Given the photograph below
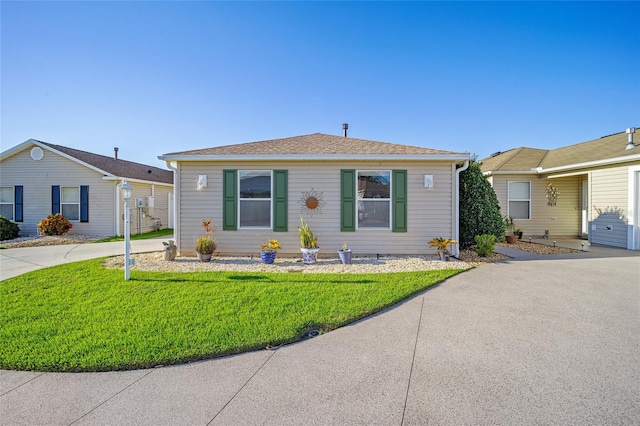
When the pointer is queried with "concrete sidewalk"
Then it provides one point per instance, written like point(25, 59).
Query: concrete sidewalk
point(17, 261)
point(584, 250)
point(554, 341)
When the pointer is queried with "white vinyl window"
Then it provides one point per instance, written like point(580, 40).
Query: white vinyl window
point(70, 202)
point(7, 202)
point(519, 201)
point(254, 202)
point(374, 199)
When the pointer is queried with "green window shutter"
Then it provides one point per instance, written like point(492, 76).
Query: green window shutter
point(399, 179)
point(280, 216)
point(229, 200)
point(347, 200)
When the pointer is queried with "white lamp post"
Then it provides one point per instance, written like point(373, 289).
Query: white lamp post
point(125, 190)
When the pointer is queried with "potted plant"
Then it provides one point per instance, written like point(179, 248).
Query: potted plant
point(308, 243)
point(268, 251)
point(206, 244)
point(442, 245)
point(512, 236)
point(518, 232)
point(345, 254)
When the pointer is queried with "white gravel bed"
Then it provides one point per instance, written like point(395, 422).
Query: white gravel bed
point(47, 240)
point(154, 262)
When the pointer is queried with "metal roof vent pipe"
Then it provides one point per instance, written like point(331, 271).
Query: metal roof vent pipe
point(345, 126)
point(115, 152)
point(630, 132)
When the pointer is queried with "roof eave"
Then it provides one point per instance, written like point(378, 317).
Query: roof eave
point(150, 182)
point(510, 172)
point(324, 157)
point(595, 163)
point(18, 148)
point(22, 146)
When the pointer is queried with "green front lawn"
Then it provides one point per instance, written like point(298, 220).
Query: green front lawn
point(83, 317)
point(145, 236)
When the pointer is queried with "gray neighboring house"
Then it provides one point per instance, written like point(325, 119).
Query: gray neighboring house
point(381, 198)
point(39, 178)
point(589, 190)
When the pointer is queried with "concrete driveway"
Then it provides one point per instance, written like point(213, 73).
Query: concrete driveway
point(18, 261)
point(554, 341)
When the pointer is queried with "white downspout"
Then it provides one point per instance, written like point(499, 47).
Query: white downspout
point(117, 201)
point(456, 225)
point(176, 192)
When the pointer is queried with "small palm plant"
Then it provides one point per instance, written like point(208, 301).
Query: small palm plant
point(442, 244)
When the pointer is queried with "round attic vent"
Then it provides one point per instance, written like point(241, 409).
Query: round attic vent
point(37, 153)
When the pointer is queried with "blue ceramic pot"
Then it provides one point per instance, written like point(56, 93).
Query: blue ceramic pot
point(268, 257)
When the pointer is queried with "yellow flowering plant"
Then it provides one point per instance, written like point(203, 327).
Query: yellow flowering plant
point(270, 246)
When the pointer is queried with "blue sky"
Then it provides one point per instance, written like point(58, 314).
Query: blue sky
point(159, 77)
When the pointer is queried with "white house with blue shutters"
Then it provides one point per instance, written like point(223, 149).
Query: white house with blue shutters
point(381, 198)
point(39, 178)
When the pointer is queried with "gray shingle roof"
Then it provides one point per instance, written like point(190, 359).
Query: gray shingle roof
point(314, 144)
point(525, 159)
point(119, 168)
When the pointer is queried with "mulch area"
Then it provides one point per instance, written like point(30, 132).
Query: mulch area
point(470, 256)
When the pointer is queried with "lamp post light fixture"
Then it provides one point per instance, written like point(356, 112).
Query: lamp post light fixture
point(126, 190)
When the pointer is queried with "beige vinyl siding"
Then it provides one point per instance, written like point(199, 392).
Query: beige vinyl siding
point(608, 207)
point(37, 177)
point(144, 219)
point(561, 220)
point(430, 212)
point(161, 209)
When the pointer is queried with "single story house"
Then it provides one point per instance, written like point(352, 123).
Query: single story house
point(589, 190)
point(39, 178)
point(380, 198)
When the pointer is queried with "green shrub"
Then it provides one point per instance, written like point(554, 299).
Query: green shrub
point(206, 244)
point(485, 244)
point(54, 224)
point(8, 230)
point(479, 207)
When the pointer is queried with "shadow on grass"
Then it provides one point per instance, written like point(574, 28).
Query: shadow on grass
point(248, 278)
point(251, 279)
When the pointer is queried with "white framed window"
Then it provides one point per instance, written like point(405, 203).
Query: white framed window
point(70, 203)
point(519, 200)
point(374, 199)
point(255, 198)
point(7, 202)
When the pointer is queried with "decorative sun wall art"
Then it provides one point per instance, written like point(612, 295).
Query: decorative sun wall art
point(552, 195)
point(311, 201)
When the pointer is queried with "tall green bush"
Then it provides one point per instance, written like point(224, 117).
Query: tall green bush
point(479, 207)
point(8, 230)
